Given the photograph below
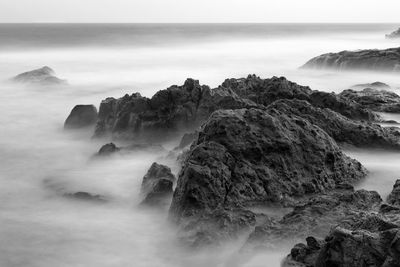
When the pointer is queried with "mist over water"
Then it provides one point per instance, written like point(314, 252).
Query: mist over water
point(39, 161)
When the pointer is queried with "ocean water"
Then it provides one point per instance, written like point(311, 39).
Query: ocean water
point(39, 227)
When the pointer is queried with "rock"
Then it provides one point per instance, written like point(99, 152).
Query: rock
point(394, 196)
point(340, 128)
point(374, 85)
point(374, 99)
point(85, 196)
point(187, 139)
point(108, 149)
point(316, 217)
point(373, 242)
point(394, 35)
point(249, 157)
point(177, 108)
point(157, 185)
point(81, 116)
point(44, 76)
point(373, 59)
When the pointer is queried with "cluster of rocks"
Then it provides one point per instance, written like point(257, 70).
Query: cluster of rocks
point(263, 142)
point(370, 59)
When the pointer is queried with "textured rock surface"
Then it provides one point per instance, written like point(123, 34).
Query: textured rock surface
point(248, 157)
point(81, 116)
point(157, 185)
point(342, 129)
point(374, 99)
point(394, 196)
point(177, 108)
point(394, 35)
point(383, 60)
point(44, 76)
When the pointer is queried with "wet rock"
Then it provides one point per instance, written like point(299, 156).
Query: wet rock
point(249, 157)
point(374, 99)
point(176, 108)
point(157, 185)
point(342, 129)
point(111, 148)
point(394, 196)
point(373, 59)
point(81, 116)
point(394, 35)
point(43, 76)
point(108, 149)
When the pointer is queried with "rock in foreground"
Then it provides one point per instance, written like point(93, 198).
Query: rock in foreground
point(157, 185)
point(381, 60)
point(249, 157)
point(43, 76)
point(81, 116)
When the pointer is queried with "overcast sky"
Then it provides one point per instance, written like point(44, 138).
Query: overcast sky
point(199, 10)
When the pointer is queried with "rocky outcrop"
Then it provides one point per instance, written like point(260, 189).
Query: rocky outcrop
point(157, 185)
point(381, 60)
point(176, 108)
point(372, 241)
point(394, 35)
point(374, 99)
point(43, 76)
point(108, 149)
point(374, 85)
point(81, 116)
point(249, 157)
point(340, 128)
point(394, 196)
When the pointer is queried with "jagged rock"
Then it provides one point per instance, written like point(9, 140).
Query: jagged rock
point(377, 100)
point(44, 76)
point(342, 129)
point(394, 196)
point(251, 157)
point(157, 185)
point(373, 241)
point(81, 116)
point(374, 59)
point(316, 216)
point(393, 35)
point(176, 108)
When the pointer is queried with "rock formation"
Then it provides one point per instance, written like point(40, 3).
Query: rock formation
point(43, 76)
point(157, 185)
point(381, 60)
point(394, 196)
point(249, 157)
point(393, 35)
point(110, 149)
point(81, 116)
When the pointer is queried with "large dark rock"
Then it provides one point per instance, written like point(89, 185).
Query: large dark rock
point(374, 59)
point(157, 185)
point(374, 99)
point(81, 116)
point(394, 196)
point(176, 108)
point(44, 76)
point(342, 129)
point(249, 157)
point(394, 35)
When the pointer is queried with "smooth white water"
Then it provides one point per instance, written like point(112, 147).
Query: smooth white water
point(38, 227)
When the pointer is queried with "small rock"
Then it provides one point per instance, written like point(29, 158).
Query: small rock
point(44, 76)
point(81, 116)
point(394, 196)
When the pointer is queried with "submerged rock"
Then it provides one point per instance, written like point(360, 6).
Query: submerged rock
point(340, 128)
point(374, 85)
point(373, 59)
point(393, 35)
point(44, 76)
point(81, 116)
point(108, 149)
point(374, 99)
point(157, 185)
point(249, 157)
point(85, 196)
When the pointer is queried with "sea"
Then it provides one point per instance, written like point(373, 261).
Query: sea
point(39, 161)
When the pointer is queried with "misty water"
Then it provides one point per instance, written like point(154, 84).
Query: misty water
point(39, 161)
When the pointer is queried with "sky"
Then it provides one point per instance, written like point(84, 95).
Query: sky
point(200, 11)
